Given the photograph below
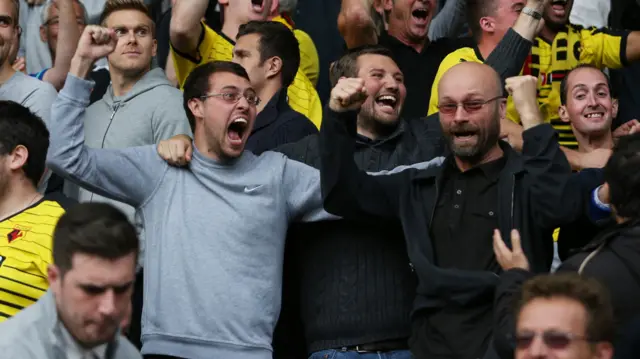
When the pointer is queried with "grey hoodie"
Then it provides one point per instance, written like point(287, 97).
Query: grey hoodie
point(152, 111)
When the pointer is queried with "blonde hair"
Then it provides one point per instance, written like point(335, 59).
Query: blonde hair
point(112, 6)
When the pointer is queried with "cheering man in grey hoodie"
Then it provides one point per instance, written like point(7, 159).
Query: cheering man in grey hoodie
point(140, 107)
point(215, 230)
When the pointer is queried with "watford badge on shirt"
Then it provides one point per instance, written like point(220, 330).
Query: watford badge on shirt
point(15, 234)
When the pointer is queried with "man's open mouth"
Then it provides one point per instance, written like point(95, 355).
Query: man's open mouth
point(257, 4)
point(420, 14)
point(387, 102)
point(237, 129)
point(559, 7)
point(595, 115)
point(464, 135)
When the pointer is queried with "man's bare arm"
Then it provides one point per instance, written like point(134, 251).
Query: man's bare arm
point(185, 29)
point(356, 23)
point(633, 46)
point(68, 36)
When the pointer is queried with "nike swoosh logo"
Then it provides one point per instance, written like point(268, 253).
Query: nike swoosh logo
point(251, 189)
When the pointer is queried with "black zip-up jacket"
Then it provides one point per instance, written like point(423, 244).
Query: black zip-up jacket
point(353, 279)
point(535, 195)
point(616, 266)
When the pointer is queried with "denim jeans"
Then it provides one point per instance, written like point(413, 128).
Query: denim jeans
point(339, 354)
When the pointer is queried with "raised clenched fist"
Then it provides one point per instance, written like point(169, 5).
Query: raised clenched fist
point(348, 94)
point(96, 42)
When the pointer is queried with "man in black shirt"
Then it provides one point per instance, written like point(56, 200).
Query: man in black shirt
point(418, 55)
point(483, 185)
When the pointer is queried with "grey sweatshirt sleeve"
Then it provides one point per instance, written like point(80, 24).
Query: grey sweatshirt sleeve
point(449, 20)
point(510, 54)
point(301, 186)
point(127, 175)
point(169, 118)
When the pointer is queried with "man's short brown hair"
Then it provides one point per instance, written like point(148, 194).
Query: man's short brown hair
point(112, 6)
point(586, 291)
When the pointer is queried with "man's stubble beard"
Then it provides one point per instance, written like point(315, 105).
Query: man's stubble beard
point(486, 140)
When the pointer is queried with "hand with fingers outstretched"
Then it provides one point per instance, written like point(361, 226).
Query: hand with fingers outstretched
point(513, 258)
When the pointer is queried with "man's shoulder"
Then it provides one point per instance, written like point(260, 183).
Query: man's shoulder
point(25, 85)
point(19, 333)
point(126, 350)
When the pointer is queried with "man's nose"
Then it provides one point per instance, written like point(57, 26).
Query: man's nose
point(107, 303)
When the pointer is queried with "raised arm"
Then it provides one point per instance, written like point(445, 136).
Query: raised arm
point(356, 23)
point(347, 191)
point(68, 37)
point(126, 175)
point(449, 20)
point(556, 196)
point(185, 29)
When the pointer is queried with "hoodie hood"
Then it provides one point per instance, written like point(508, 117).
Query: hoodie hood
point(149, 81)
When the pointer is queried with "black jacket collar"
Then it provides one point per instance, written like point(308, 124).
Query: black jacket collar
point(513, 166)
point(270, 113)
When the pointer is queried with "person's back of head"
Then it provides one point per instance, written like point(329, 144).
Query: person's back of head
point(24, 141)
point(267, 49)
point(622, 176)
point(95, 249)
point(564, 315)
point(136, 32)
point(492, 17)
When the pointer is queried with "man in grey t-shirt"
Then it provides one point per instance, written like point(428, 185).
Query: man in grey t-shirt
point(16, 86)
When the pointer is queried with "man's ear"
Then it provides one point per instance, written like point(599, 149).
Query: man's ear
point(564, 114)
point(273, 66)
point(614, 107)
point(55, 278)
point(487, 24)
point(18, 157)
point(43, 34)
point(196, 107)
point(604, 350)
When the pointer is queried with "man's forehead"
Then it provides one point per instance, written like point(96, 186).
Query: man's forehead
point(375, 61)
point(587, 77)
point(228, 80)
point(128, 17)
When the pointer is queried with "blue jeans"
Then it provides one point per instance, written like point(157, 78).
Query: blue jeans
point(339, 354)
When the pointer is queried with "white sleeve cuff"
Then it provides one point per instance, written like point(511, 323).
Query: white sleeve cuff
point(598, 202)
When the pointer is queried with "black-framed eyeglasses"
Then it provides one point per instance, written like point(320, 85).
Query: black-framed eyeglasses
point(552, 338)
point(449, 108)
point(233, 97)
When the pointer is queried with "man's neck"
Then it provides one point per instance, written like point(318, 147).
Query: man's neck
point(6, 71)
point(493, 154)
point(486, 45)
point(368, 128)
point(547, 34)
point(21, 195)
point(122, 84)
point(230, 29)
point(416, 45)
point(588, 143)
point(266, 94)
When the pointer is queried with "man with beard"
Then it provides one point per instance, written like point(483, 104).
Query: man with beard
point(194, 43)
point(450, 209)
point(215, 230)
point(95, 249)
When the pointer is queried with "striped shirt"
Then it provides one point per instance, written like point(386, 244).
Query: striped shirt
point(26, 240)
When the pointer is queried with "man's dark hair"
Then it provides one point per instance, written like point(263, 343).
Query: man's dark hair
point(197, 83)
point(20, 126)
point(112, 6)
point(622, 173)
point(564, 90)
point(347, 65)
point(96, 229)
point(476, 10)
point(276, 40)
point(586, 291)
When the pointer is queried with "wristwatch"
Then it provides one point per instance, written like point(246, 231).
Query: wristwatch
point(533, 13)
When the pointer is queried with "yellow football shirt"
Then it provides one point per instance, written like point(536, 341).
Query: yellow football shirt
point(550, 62)
point(216, 46)
point(309, 60)
point(26, 245)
